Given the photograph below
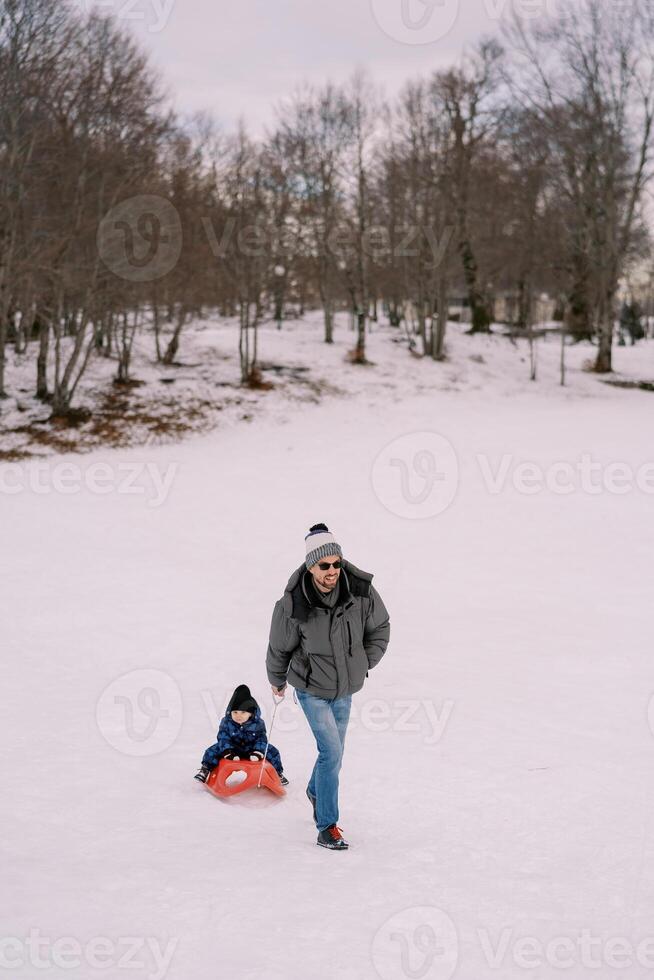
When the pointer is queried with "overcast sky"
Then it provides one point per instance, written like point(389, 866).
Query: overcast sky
point(239, 57)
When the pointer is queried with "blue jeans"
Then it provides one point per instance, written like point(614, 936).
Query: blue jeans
point(328, 721)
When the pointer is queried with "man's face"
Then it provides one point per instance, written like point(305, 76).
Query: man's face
point(326, 578)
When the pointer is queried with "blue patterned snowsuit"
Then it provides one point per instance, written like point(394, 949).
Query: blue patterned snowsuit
point(242, 740)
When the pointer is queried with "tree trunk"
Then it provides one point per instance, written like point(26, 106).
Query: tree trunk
point(563, 355)
point(577, 315)
point(66, 383)
point(329, 321)
point(480, 319)
point(42, 392)
point(124, 351)
point(156, 326)
point(3, 342)
point(394, 315)
point(248, 353)
point(524, 302)
point(105, 335)
point(422, 325)
point(422, 328)
point(255, 345)
point(361, 337)
point(374, 315)
point(241, 343)
point(533, 352)
point(604, 360)
point(438, 345)
point(173, 345)
point(279, 307)
point(533, 355)
point(20, 336)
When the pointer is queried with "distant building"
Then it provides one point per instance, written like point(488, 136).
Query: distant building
point(638, 288)
point(507, 308)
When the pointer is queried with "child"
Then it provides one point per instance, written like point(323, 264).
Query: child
point(241, 735)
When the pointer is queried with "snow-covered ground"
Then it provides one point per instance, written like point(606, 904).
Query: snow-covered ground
point(496, 787)
point(203, 390)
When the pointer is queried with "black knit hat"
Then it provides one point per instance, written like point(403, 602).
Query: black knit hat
point(242, 700)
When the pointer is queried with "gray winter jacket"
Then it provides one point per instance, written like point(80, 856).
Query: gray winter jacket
point(323, 651)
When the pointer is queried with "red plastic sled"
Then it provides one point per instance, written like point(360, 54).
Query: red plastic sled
point(217, 781)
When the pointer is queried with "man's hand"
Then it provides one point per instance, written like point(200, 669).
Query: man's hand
point(278, 691)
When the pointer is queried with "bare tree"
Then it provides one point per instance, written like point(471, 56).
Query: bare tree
point(237, 226)
point(363, 104)
point(470, 99)
point(315, 129)
point(591, 69)
point(34, 35)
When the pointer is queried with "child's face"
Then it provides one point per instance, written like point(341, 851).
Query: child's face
point(240, 717)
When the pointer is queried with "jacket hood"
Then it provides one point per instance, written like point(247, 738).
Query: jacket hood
point(298, 599)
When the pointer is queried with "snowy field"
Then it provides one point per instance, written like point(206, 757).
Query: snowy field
point(497, 783)
point(202, 389)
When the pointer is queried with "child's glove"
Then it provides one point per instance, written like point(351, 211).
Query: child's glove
point(256, 756)
point(232, 757)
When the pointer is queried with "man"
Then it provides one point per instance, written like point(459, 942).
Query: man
point(328, 630)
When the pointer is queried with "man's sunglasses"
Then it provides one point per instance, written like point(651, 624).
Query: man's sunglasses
point(324, 565)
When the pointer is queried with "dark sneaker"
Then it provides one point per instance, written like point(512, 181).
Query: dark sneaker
point(283, 779)
point(202, 774)
point(333, 839)
point(313, 804)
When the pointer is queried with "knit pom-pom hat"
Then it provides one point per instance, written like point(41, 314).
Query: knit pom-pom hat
point(320, 543)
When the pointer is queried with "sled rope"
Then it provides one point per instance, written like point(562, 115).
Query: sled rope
point(272, 722)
